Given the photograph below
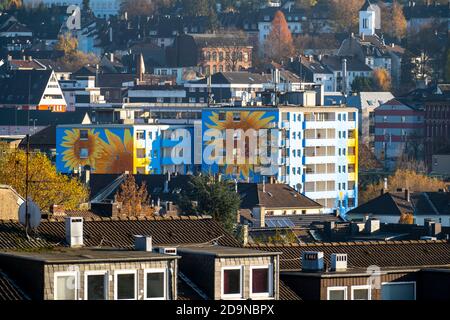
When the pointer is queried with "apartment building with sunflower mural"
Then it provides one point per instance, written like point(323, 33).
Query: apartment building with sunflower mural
point(119, 148)
point(312, 149)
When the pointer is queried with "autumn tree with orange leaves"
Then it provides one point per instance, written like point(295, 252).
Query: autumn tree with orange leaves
point(133, 199)
point(382, 79)
point(279, 44)
point(393, 21)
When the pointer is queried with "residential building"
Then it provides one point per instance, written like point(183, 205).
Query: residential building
point(312, 70)
point(232, 273)
point(419, 15)
point(119, 148)
point(10, 201)
point(440, 163)
point(262, 200)
point(367, 102)
point(32, 90)
point(399, 132)
point(375, 270)
point(223, 53)
point(313, 149)
point(345, 70)
point(437, 126)
point(100, 8)
point(424, 206)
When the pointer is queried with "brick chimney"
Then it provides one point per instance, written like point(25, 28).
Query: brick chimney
point(57, 210)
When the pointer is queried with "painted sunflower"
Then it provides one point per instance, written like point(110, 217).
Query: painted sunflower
point(117, 154)
point(248, 120)
point(75, 155)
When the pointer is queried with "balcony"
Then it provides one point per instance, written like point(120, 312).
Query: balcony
point(285, 124)
point(351, 143)
point(352, 176)
point(351, 159)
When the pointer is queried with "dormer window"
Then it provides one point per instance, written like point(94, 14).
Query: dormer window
point(261, 281)
point(232, 282)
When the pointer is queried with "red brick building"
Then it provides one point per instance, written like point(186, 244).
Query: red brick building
point(437, 126)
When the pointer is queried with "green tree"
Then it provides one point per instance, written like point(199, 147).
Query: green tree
point(360, 84)
point(47, 186)
point(207, 196)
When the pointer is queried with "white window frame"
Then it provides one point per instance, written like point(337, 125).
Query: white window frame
point(241, 286)
point(401, 282)
point(103, 273)
point(129, 271)
point(62, 274)
point(329, 289)
point(269, 294)
point(157, 270)
point(368, 287)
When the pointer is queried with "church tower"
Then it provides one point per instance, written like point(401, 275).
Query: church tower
point(368, 19)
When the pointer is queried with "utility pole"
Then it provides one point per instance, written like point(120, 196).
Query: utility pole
point(27, 215)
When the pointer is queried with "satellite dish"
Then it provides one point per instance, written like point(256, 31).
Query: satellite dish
point(34, 213)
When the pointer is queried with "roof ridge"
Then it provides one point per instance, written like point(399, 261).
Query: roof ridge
point(126, 218)
point(348, 244)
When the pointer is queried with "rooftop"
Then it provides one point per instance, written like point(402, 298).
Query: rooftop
point(119, 232)
point(91, 255)
point(225, 252)
point(385, 254)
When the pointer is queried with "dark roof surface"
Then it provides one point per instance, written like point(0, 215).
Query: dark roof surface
point(24, 87)
point(14, 117)
point(392, 254)
point(395, 203)
point(46, 136)
point(119, 233)
point(9, 290)
point(276, 195)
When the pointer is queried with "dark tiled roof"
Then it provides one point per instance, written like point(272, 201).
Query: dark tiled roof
point(395, 203)
point(238, 77)
point(119, 233)
point(24, 87)
point(275, 196)
point(8, 289)
point(13, 117)
point(46, 136)
point(286, 293)
point(335, 63)
point(390, 254)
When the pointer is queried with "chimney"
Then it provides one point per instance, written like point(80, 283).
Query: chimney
point(166, 183)
point(261, 216)
point(407, 195)
point(245, 234)
point(111, 57)
point(312, 261)
point(338, 261)
point(57, 210)
point(9, 57)
point(87, 176)
point(74, 231)
point(329, 227)
point(264, 186)
point(110, 34)
point(344, 75)
point(143, 243)
point(140, 69)
point(372, 225)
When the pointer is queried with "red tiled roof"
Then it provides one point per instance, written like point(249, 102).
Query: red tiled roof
point(385, 254)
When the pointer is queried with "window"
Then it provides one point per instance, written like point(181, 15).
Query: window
point(140, 153)
point(361, 293)
point(140, 135)
point(96, 285)
point(261, 281)
point(337, 293)
point(84, 153)
point(66, 285)
point(155, 284)
point(84, 134)
point(236, 116)
point(231, 282)
point(398, 291)
point(222, 116)
point(125, 283)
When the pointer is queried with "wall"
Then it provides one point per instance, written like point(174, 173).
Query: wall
point(246, 263)
point(50, 270)
point(109, 149)
point(9, 204)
